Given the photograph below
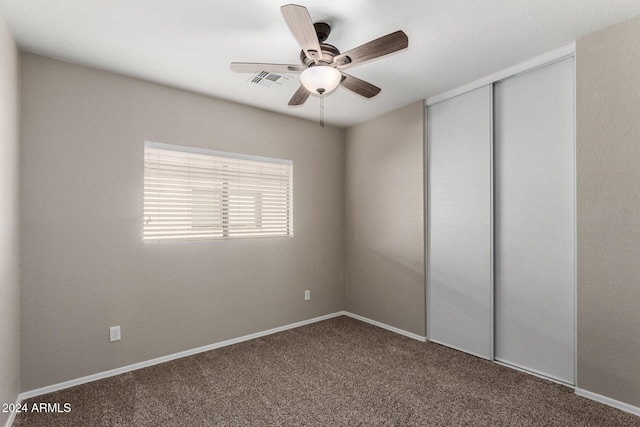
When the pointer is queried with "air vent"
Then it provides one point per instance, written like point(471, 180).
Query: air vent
point(265, 78)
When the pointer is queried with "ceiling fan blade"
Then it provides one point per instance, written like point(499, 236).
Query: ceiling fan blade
point(358, 86)
point(300, 96)
point(299, 22)
point(374, 49)
point(255, 67)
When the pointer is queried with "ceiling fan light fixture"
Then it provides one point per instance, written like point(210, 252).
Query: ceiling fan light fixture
point(320, 79)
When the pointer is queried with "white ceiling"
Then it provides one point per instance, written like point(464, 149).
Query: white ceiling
point(190, 43)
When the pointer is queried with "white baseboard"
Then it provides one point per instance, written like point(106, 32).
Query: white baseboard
point(385, 326)
point(163, 359)
point(72, 383)
point(12, 415)
point(608, 401)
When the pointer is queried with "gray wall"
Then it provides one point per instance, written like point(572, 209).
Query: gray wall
point(384, 242)
point(608, 198)
point(85, 265)
point(9, 222)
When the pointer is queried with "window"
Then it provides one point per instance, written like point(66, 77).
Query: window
point(196, 194)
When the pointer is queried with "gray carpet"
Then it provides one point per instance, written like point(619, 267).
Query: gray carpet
point(340, 372)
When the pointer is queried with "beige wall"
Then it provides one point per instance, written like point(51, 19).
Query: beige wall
point(608, 197)
point(85, 265)
point(384, 240)
point(9, 222)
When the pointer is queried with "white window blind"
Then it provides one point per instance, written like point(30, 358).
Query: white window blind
point(195, 194)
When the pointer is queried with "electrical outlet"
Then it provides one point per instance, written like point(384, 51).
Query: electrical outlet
point(114, 333)
point(307, 295)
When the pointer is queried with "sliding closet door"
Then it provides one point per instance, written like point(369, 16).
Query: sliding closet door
point(535, 220)
point(459, 222)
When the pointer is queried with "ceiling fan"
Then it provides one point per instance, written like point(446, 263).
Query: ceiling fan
point(322, 66)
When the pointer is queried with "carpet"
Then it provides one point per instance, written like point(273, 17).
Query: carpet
point(338, 372)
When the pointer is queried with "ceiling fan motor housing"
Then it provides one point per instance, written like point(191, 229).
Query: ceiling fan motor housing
point(328, 53)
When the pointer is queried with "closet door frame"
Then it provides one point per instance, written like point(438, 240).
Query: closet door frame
point(564, 52)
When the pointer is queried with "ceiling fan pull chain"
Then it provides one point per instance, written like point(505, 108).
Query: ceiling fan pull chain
point(322, 110)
